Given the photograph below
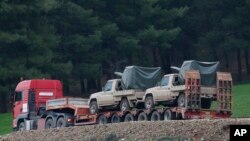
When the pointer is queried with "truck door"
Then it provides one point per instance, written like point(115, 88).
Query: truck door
point(107, 95)
point(20, 106)
point(164, 89)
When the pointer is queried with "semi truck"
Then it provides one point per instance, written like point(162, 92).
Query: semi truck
point(29, 100)
point(39, 104)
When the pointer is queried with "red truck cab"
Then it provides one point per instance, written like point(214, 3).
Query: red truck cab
point(29, 99)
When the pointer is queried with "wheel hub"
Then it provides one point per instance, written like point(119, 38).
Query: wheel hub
point(148, 104)
point(93, 109)
point(124, 106)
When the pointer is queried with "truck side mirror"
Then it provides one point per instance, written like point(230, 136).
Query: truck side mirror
point(158, 83)
point(11, 98)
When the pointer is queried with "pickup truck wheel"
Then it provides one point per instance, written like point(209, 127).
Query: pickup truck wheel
point(102, 119)
point(124, 105)
point(21, 126)
point(168, 115)
point(61, 122)
point(206, 103)
point(149, 103)
point(115, 118)
point(49, 124)
point(128, 117)
point(155, 116)
point(93, 107)
point(142, 117)
point(181, 100)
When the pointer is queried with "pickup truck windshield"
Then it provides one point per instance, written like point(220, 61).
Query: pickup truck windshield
point(164, 81)
point(108, 86)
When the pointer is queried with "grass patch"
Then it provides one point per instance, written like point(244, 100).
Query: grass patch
point(241, 100)
point(5, 123)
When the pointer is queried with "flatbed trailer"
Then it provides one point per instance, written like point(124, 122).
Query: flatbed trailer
point(75, 111)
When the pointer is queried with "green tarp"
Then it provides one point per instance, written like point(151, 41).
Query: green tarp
point(207, 71)
point(135, 77)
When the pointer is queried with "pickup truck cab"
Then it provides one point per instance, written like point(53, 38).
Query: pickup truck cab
point(168, 91)
point(113, 95)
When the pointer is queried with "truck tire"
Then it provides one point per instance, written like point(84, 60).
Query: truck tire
point(149, 102)
point(93, 107)
point(115, 119)
point(102, 119)
point(206, 103)
point(181, 100)
point(61, 122)
point(21, 126)
point(128, 117)
point(168, 115)
point(155, 116)
point(49, 123)
point(142, 117)
point(124, 104)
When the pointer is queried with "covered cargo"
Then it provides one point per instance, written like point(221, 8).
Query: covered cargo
point(135, 77)
point(207, 71)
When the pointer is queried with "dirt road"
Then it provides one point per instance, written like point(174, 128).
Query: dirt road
point(185, 130)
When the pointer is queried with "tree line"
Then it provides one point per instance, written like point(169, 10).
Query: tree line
point(82, 42)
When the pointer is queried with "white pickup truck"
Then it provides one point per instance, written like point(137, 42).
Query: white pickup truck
point(113, 95)
point(169, 91)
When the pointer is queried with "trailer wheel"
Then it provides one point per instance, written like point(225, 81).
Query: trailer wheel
point(149, 102)
point(181, 100)
point(128, 117)
point(155, 116)
point(124, 104)
point(168, 115)
point(93, 107)
point(142, 117)
point(61, 122)
point(49, 123)
point(206, 103)
point(21, 126)
point(115, 118)
point(102, 119)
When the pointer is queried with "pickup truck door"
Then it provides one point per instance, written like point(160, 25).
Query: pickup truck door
point(107, 96)
point(163, 92)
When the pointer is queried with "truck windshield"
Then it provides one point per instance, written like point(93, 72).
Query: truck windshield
point(164, 81)
point(108, 86)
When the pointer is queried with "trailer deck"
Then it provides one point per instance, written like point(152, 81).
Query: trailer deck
point(192, 109)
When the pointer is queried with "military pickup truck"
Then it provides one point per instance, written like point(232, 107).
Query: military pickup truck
point(170, 92)
point(114, 96)
point(124, 93)
point(171, 89)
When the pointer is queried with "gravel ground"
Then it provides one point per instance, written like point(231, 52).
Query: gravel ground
point(181, 130)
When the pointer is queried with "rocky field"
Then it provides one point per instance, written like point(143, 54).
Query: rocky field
point(181, 130)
